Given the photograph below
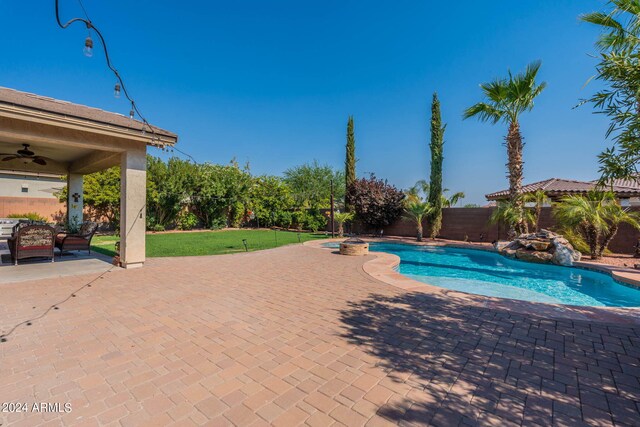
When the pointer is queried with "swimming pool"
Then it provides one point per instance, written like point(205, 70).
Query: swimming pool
point(487, 273)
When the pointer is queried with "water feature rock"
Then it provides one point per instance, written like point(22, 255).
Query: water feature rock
point(538, 245)
point(509, 253)
point(534, 256)
point(500, 245)
point(542, 247)
point(564, 253)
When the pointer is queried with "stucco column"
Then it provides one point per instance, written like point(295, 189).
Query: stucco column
point(74, 199)
point(133, 194)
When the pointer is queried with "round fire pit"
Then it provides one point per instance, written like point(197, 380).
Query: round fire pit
point(354, 247)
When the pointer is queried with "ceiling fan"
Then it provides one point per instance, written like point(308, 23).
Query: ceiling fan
point(25, 154)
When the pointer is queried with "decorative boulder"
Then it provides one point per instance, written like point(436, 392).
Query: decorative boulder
point(542, 247)
point(564, 253)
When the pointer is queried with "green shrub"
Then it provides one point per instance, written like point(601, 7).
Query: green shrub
point(313, 220)
point(285, 219)
point(158, 227)
point(578, 242)
point(297, 218)
point(186, 221)
point(218, 224)
point(33, 216)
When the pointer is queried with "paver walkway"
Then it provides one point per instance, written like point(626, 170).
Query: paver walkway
point(298, 335)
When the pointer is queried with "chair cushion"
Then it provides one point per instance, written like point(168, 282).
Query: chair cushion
point(34, 248)
point(71, 240)
point(35, 236)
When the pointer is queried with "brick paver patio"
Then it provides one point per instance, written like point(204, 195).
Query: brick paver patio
point(298, 335)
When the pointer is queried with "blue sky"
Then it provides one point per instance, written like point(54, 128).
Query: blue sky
point(273, 82)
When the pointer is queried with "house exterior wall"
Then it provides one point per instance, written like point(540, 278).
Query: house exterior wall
point(20, 194)
point(29, 186)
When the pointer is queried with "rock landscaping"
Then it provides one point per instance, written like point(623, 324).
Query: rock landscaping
point(544, 247)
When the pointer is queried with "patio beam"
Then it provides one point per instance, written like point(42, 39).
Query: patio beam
point(94, 162)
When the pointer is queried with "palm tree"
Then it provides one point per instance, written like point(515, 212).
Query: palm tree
point(448, 202)
point(506, 100)
point(419, 189)
point(595, 217)
point(506, 213)
point(416, 210)
point(539, 198)
point(341, 218)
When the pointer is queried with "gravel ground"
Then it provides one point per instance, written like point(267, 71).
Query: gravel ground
point(619, 260)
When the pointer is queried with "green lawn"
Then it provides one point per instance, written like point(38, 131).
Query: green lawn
point(207, 242)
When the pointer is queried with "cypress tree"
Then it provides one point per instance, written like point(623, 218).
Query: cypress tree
point(350, 161)
point(435, 185)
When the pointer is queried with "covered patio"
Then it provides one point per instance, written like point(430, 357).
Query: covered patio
point(75, 140)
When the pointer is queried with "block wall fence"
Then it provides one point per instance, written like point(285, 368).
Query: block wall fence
point(49, 208)
point(473, 224)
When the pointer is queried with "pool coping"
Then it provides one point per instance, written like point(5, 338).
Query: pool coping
point(382, 268)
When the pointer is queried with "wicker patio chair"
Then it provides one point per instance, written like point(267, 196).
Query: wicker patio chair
point(80, 241)
point(31, 241)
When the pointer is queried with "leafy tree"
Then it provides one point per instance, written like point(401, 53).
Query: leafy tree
point(221, 194)
point(341, 218)
point(596, 217)
point(619, 70)
point(102, 195)
point(169, 187)
point(377, 204)
point(350, 161)
point(471, 205)
point(417, 210)
point(506, 100)
point(270, 199)
point(310, 185)
point(435, 183)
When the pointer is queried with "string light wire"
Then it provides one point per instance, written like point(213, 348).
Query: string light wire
point(91, 27)
point(134, 107)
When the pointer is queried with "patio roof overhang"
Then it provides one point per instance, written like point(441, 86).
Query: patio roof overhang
point(78, 140)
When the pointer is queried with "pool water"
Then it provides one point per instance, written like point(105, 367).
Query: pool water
point(491, 274)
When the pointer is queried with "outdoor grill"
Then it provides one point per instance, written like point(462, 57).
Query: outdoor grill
point(6, 227)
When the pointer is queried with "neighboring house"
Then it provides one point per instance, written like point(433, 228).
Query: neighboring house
point(627, 191)
point(24, 192)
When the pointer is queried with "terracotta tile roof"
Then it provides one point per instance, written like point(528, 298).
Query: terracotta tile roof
point(560, 187)
point(633, 182)
point(68, 109)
